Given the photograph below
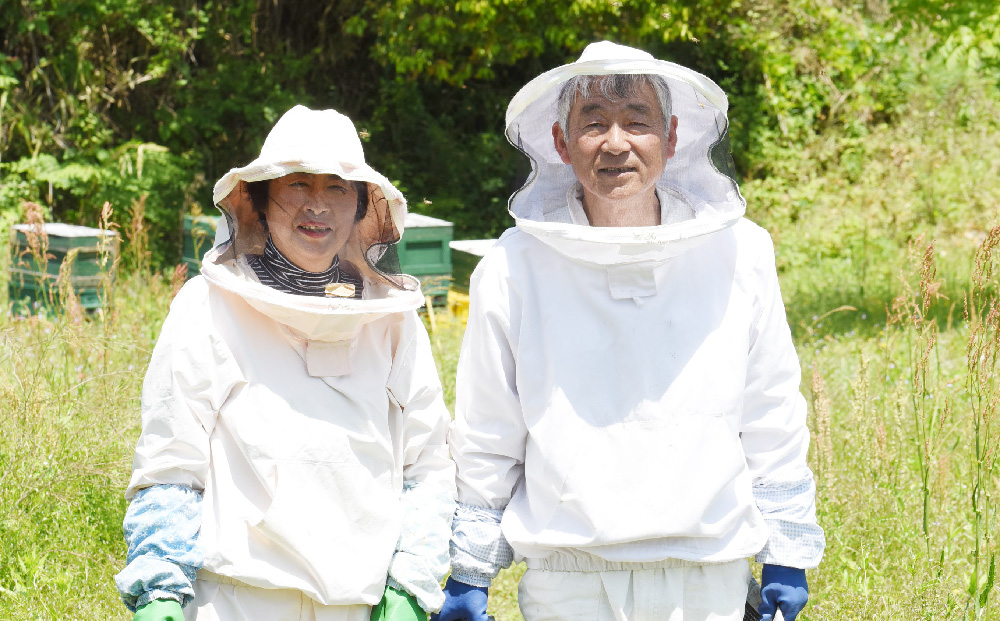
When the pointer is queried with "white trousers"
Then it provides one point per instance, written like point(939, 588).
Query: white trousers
point(669, 592)
point(219, 599)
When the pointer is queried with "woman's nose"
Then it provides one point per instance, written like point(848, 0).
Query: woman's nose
point(315, 203)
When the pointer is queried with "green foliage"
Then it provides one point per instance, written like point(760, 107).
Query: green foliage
point(110, 100)
point(444, 162)
point(77, 188)
point(457, 41)
point(87, 82)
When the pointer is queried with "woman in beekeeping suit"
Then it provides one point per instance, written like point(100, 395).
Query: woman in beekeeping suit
point(292, 462)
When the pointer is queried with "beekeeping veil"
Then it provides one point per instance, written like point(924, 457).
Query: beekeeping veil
point(698, 181)
point(315, 142)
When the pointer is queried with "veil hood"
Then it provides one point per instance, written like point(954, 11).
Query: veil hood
point(315, 142)
point(700, 175)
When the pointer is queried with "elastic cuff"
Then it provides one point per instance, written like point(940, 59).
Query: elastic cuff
point(475, 513)
point(472, 579)
point(391, 582)
point(149, 596)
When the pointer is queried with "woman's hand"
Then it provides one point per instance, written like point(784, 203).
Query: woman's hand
point(159, 610)
point(398, 605)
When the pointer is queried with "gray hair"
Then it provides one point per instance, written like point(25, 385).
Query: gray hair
point(614, 86)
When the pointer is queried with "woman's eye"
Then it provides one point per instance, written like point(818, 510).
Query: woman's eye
point(298, 184)
point(338, 188)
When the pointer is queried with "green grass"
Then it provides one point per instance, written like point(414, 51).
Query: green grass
point(69, 402)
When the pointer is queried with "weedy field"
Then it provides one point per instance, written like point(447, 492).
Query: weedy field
point(903, 416)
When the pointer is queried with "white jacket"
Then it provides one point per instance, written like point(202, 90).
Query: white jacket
point(630, 394)
point(302, 474)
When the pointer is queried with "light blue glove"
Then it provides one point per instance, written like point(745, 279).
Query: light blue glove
point(463, 602)
point(785, 588)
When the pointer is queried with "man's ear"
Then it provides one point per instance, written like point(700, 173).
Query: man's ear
point(672, 137)
point(560, 141)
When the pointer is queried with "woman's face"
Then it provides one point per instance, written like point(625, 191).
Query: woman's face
point(310, 217)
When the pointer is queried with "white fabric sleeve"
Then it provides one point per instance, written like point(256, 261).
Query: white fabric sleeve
point(774, 432)
point(421, 558)
point(161, 528)
point(488, 436)
point(190, 375)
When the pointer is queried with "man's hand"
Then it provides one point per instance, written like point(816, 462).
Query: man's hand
point(159, 610)
point(463, 602)
point(782, 588)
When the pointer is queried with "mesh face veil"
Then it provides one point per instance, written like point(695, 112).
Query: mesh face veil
point(696, 190)
point(318, 143)
point(314, 142)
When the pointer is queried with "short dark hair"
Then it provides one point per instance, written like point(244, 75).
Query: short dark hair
point(257, 190)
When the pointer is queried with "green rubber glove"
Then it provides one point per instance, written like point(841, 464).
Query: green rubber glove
point(159, 610)
point(398, 606)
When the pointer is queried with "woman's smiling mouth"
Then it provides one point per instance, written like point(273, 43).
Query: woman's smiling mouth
point(314, 229)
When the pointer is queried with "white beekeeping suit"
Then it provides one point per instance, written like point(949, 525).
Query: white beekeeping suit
point(293, 446)
point(627, 397)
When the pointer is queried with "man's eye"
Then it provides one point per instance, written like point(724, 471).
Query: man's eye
point(338, 188)
point(298, 184)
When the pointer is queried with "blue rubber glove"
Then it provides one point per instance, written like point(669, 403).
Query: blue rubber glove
point(785, 588)
point(462, 602)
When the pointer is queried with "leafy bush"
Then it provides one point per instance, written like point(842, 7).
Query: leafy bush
point(90, 83)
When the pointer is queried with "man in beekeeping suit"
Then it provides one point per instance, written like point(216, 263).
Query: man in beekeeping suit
point(628, 418)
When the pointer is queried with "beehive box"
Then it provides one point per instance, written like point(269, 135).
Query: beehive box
point(424, 253)
point(465, 256)
point(34, 281)
point(199, 236)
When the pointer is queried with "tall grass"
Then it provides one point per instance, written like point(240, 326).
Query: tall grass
point(69, 395)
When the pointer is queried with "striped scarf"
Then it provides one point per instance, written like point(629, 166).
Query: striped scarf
point(277, 272)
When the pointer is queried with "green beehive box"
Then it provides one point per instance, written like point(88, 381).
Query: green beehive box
point(424, 253)
point(199, 236)
point(465, 256)
point(34, 283)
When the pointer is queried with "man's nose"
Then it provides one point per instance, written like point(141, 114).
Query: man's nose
point(616, 140)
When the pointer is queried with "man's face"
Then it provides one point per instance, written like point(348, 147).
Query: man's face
point(617, 149)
